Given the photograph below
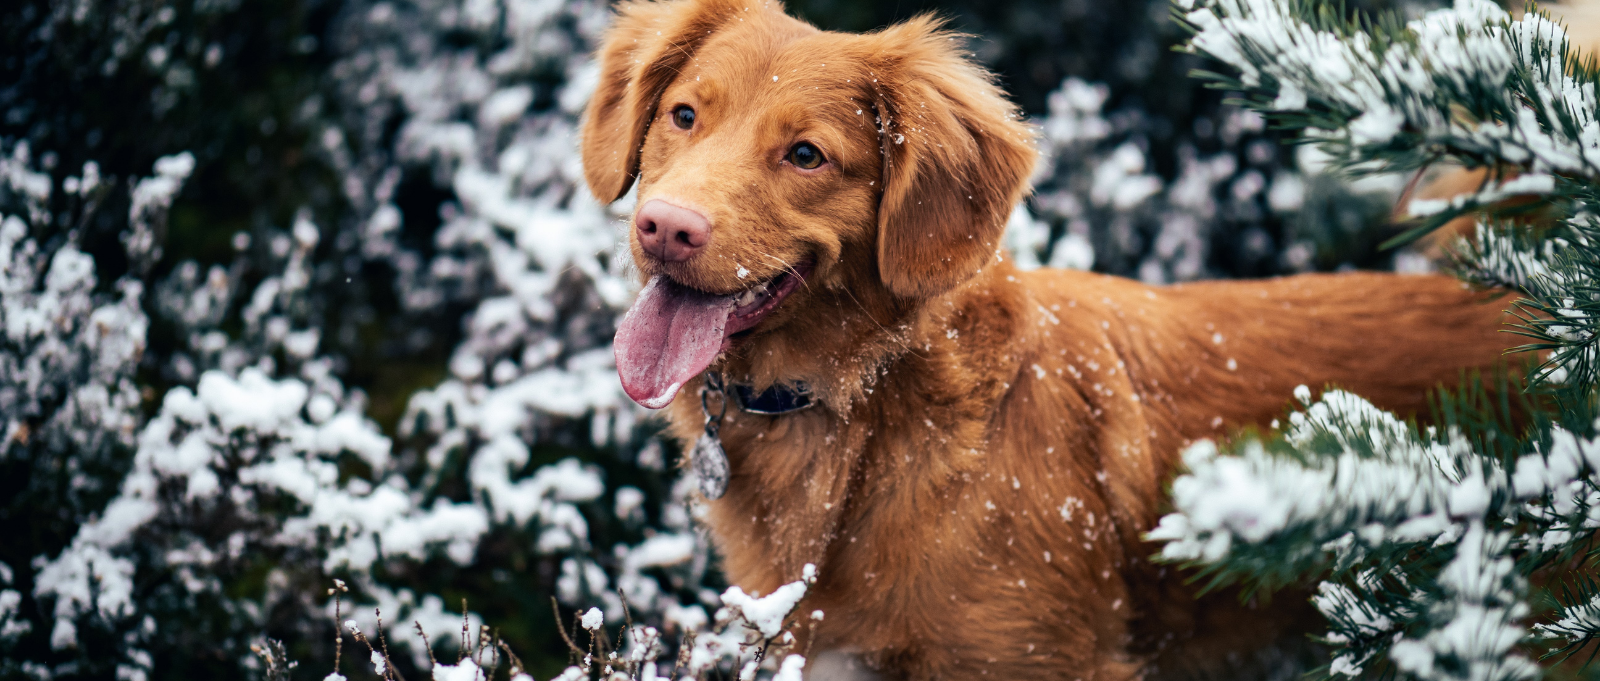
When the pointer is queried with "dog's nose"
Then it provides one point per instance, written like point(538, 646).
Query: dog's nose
point(671, 233)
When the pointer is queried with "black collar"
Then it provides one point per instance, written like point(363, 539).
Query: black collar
point(776, 400)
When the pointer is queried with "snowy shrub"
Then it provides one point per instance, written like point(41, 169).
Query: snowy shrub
point(1244, 207)
point(68, 359)
point(257, 474)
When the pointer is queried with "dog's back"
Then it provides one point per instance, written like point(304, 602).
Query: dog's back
point(1202, 360)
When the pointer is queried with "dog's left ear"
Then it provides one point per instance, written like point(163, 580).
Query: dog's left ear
point(956, 159)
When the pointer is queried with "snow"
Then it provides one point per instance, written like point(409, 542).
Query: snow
point(1484, 604)
point(252, 402)
point(1287, 193)
point(792, 669)
point(84, 578)
point(67, 353)
point(661, 550)
point(1025, 237)
point(10, 626)
point(1121, 182)
point(1382, 474)
point(547, 495)
point(629, 503)
point(505, 106)
point(1336, 600)
point(151, 198)
point(1578, 622)
point(298, 465)
point(1075, 113)
point(593, 619)
point(686, 618)
point(765, 614)
point(1490, 194)
point(466, 670)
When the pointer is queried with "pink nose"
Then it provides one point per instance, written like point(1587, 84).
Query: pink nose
point(671, 233)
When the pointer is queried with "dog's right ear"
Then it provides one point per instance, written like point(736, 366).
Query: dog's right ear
point(646, 47)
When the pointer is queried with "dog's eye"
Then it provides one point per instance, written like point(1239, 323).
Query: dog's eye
point(683, 117)
point(805, 155)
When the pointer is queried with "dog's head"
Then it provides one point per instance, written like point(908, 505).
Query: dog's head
point(776, 161)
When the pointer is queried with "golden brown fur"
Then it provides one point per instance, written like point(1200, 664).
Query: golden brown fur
point(990, 444)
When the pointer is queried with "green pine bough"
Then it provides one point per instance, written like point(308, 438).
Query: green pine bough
point(1462, 550)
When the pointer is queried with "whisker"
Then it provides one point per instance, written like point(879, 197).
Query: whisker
point(904, 344)
point(786, 267)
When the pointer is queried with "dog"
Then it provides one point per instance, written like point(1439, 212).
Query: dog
point(819, 214)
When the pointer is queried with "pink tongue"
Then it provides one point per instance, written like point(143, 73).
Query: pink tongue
point(671, 334)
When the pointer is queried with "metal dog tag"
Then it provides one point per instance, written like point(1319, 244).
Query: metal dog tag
point(709, 461)
point(710, 465)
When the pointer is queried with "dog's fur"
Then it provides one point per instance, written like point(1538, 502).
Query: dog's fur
point(989, 445)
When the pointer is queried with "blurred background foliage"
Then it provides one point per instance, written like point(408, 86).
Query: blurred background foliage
point(1154, 177)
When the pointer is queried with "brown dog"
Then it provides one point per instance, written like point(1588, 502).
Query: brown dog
point(988, 446)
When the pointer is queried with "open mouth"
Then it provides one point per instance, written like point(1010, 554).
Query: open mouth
point(673, 332)
point(755, 303)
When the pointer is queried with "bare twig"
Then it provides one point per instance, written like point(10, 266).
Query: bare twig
point(685, 649)
point(495, 648)
point(425, 645)
point(516, 662)
point(363, 640)
point(626, 635)
point(563, 628)
point(390, 672)
point(338, 629)
point(627, 614)
point(462, 654)
point(483, 642)
point(595, 649)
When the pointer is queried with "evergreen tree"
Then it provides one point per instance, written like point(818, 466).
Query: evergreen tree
point(1462, 549)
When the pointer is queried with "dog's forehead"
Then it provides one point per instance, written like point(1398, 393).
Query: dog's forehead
point(749, 63)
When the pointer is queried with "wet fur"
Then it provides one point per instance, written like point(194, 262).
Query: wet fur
point(990, 444)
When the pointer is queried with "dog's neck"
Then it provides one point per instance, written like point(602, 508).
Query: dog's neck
point(925, 375)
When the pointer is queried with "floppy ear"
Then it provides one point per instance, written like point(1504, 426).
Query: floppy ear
point(956, 160)
point(645, 48)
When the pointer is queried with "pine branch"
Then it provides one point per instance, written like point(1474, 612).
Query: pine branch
point(1578, 612)
point(1401, 524)
point(1467, 84)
